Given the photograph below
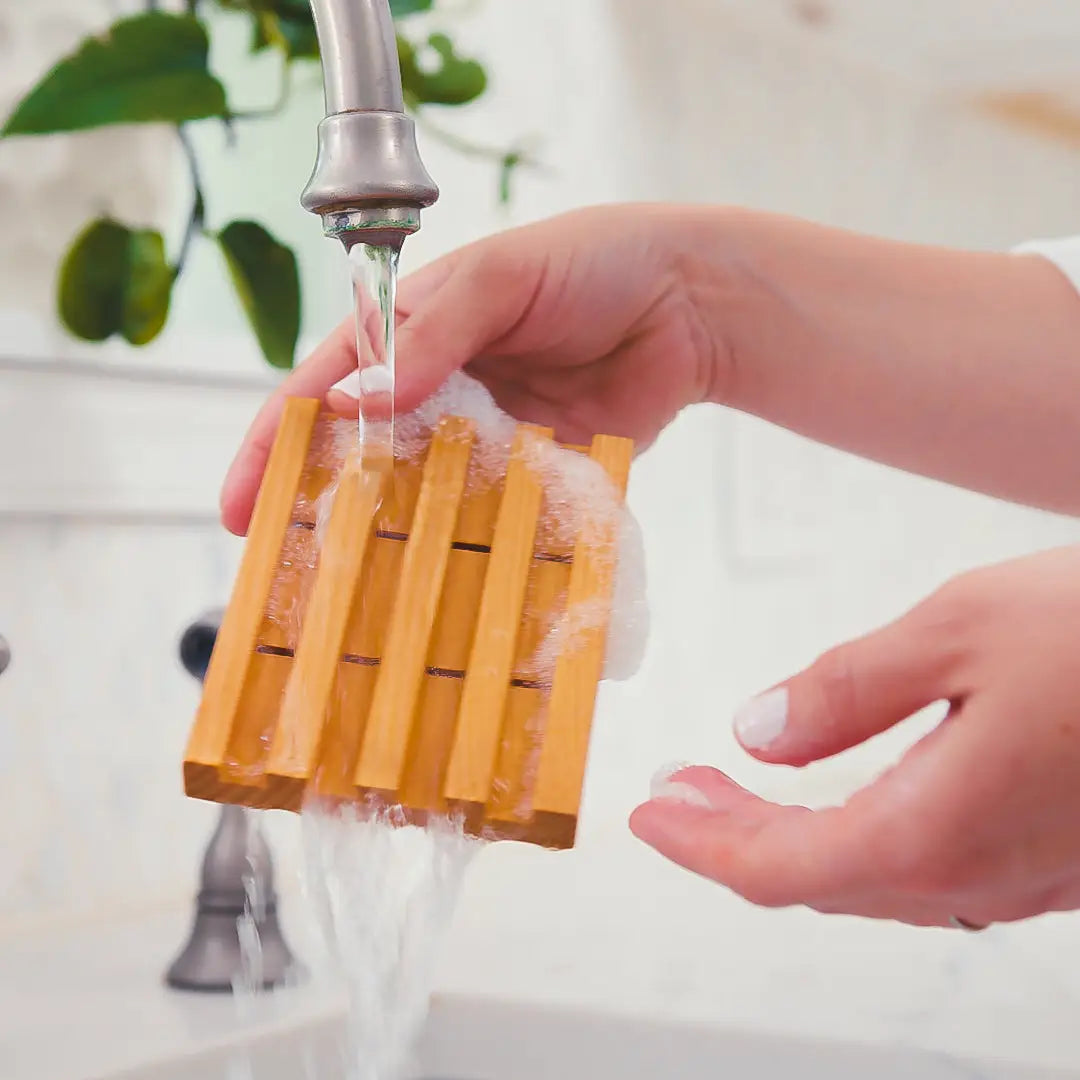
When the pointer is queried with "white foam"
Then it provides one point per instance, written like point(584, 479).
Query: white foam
point(467, 398)
point(664, 788)
point(579, 499)
point(376, 379)
point(628, 637)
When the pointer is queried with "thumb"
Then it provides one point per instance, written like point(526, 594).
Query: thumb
point(852, 692)
point(484, 294)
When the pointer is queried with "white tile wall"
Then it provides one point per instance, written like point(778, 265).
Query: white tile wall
point(108, 536)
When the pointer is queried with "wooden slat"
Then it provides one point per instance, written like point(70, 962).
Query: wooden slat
point(440, 694)
point(561, 771)
point(498, 624)
point(240, 625)
point(325, 458)
point(479, 511)
point(373, 604)
point(290, 590)
point(358, 669)
point(399, 501)
point(545, 604)
point(347, 716)
point(554, 534)
point(389, 726)
point(523, 723)
point(455, 622)
point(509, 801)
point(295, 749)
point(256, 718)
point(429, 750)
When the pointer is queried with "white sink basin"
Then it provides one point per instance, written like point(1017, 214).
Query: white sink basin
point(577, 992)
point(486, 1040)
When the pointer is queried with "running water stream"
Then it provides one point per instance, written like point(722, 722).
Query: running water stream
point(374, 271)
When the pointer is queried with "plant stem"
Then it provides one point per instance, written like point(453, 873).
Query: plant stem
point(284, 92)
point(466, 146)
point(197, 217)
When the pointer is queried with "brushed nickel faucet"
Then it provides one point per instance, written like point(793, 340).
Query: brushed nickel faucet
point(369, 184)
point(236, 882)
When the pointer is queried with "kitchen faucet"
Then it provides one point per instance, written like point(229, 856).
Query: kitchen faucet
point(369, 184)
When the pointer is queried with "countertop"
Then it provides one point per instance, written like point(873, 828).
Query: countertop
point(630, 938)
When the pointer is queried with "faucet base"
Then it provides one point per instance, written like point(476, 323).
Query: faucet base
point(237, 885)
point(212, 962)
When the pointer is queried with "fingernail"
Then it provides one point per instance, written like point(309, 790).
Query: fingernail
point(664, 789)
point(761, 721)
point(350, 385)
point(376, 379)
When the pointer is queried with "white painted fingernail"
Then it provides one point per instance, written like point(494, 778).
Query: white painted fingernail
point(761, 721)
point(376, 379)
point(664, 789)
point(350, 385)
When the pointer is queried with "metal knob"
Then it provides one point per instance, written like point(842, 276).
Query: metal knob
point(5, 654)
point(237, 883)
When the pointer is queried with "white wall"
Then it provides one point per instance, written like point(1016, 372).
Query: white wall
point(108, 534)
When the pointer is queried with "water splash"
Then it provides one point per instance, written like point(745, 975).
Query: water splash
point(383, 894)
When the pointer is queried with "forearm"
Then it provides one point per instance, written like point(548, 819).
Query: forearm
point(960, 366)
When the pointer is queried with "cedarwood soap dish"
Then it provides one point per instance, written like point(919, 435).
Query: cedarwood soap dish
point(428, 638)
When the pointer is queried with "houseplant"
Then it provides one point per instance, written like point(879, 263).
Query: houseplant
point(153, 68)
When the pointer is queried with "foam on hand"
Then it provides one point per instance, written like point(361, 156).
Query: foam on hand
point(579, 498)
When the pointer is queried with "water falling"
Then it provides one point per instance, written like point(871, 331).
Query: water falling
point(383, 895)
point(374, 278)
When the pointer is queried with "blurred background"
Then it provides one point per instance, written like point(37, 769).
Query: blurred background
point(948, 121)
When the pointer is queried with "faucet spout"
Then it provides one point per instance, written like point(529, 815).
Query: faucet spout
point(359, 56)
point(369, 182)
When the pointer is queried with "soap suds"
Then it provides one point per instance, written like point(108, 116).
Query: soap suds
point(664, 788)
point(579, 500)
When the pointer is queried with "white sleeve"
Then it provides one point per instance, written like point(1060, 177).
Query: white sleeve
point(1064, 253)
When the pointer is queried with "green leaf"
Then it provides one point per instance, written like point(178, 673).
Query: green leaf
point(291, 31)
point(400, 8)
point(268, 284)
point(456, 81)
point(299, 37)
point(145, 69)
point(115, 280)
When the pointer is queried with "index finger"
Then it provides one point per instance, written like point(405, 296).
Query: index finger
point(329, 363)
point(771, 854)
point(335, 358)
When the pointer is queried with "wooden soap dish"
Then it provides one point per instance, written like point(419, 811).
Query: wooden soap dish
point(398, 666)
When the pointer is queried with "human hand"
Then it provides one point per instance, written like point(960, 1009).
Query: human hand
point(585, 323)
point(979, 821)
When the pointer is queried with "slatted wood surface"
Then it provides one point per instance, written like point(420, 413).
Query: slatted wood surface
point(388, 651)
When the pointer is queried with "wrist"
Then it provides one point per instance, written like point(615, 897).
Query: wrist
point(714, 252)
